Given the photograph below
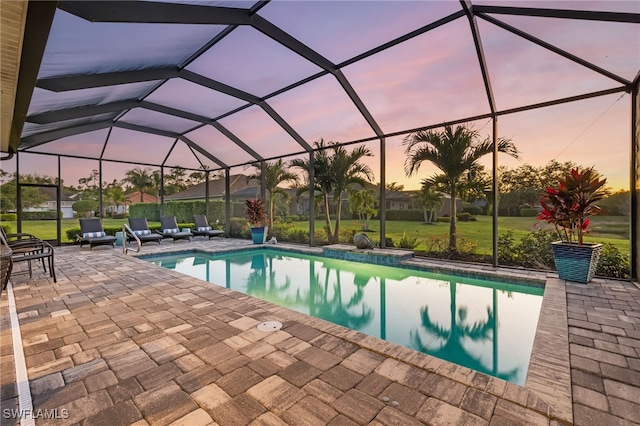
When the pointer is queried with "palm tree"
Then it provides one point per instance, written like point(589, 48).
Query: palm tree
point(117, 197)
point(140, 179)
point(428, 200)
point(275, 173)
point(335, 169)
point(454, 150)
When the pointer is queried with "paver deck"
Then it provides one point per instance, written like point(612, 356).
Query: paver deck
point(121, 341)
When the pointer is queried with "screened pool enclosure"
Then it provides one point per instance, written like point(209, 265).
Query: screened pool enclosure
point(225, 87)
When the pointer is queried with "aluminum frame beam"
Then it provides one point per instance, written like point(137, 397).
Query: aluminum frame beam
point(475, 32)
point(156, 13)
point(622, 17)
point(36, 32)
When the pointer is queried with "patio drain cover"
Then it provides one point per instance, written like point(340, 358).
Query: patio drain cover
point(270, 326)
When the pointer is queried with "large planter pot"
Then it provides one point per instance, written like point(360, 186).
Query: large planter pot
point(574, 262)
point(259, 234)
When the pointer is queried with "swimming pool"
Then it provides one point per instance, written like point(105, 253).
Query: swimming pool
point(488, 326)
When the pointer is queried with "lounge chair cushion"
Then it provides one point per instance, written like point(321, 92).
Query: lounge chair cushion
point(171, 230)
point(204, 228)
point(94, 234)
point(142, 232)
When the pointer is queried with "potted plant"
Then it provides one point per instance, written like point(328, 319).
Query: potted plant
point(256, 214)
point(568, 208)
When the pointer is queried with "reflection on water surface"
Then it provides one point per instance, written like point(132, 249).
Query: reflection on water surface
point(484, 325)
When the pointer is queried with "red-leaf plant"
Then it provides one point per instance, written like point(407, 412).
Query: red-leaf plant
point(569, 205)
point(256, 212)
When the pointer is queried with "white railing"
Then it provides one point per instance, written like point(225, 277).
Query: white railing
point(126, 231)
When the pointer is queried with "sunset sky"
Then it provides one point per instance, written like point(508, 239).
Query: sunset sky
point(429, 79)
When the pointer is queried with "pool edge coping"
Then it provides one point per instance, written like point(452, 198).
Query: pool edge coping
point(547, 387)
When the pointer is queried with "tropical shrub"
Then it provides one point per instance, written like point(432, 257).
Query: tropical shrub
point(8, 229)
point(472, 209)
point(409, 241)
point(466, 217)
point(612, 263)
point(84, 207)
point(569, 206)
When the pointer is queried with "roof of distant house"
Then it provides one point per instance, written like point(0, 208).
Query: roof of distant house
point(216, 188)
point(134, 197)
point(50, 192)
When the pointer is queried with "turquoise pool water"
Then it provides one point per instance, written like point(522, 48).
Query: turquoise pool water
point(488, 326)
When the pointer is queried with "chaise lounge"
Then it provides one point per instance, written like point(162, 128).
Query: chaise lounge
point(202, 227)
point(140, 228)
point(92, 233)
point(170, 229)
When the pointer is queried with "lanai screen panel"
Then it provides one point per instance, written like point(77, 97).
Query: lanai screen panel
point(88, 145)
point(158, 120)
point(250, 61)
point(206, 162)
point(340, 30)
point(182, 156)
point(187, 96)
point(524, 73)
point(212, 140)
point(33, 128)
point(322, 109)
point(45, 100)
point(37, 165)
point(132, 146)
point(77, 46)
point(260, 132)
point(591, 133)
point(418, 83)
point(595, 41)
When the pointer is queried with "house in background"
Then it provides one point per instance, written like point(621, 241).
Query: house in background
point(66, 201)
point(240, 190)
point(134, 198)
point(216, 189)
point(402, 200)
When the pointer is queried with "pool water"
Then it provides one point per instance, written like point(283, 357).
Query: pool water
point(488, 326)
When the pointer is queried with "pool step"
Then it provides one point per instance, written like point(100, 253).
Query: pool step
point(378, 256)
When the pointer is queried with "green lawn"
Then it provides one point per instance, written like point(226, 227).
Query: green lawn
point(605, 229)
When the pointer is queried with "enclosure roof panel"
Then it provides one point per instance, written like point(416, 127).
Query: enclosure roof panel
point(232, 82)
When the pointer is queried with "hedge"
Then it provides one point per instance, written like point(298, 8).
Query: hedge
point(184, 210)
point(529, 212)
point(48, 215)
point(8, 229)
point(411, 215)
point(149, 210)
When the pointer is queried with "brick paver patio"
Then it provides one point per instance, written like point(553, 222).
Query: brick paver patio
point(121, 341)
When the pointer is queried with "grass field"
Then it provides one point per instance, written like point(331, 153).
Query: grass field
point(604, 229)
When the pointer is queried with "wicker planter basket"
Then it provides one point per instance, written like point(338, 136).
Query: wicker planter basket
point(574, 262)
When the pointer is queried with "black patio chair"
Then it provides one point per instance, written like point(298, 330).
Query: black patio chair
point(202, 227)
point(169, 229)
point(92, 233)
point(23, 247)
point(140, 228)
